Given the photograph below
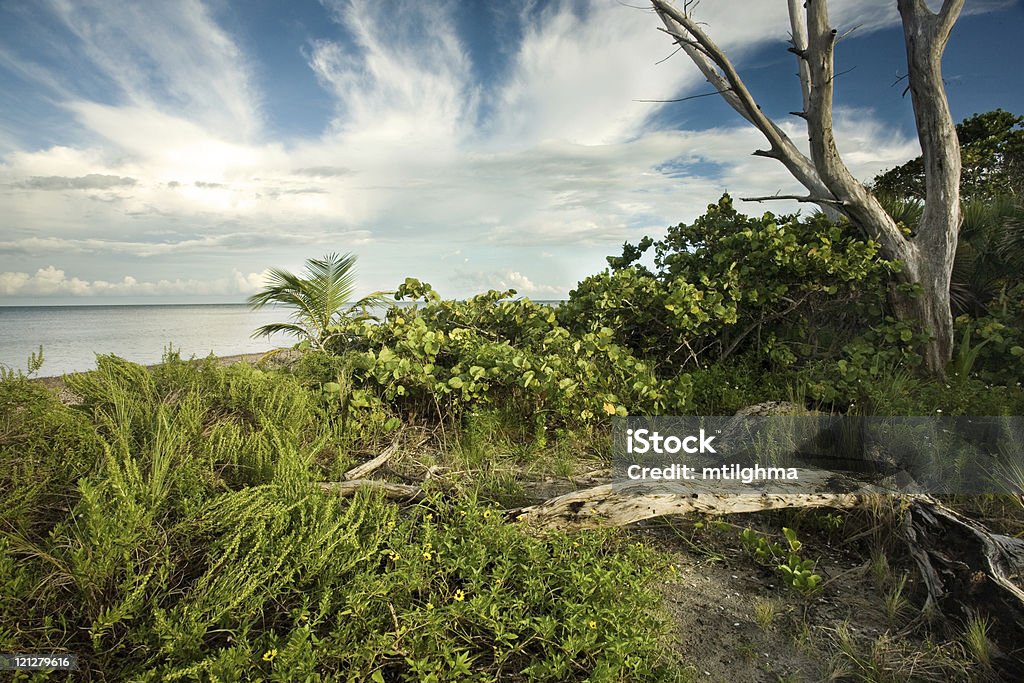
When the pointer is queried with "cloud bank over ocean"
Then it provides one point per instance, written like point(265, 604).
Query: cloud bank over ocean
point(185, 147)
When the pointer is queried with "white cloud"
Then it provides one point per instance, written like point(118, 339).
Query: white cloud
point(170, 54)
point(52, 280)
point(408, 82)
point(551, 157)
point(474, 281)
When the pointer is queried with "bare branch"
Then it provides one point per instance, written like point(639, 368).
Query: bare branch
point(948, 15)
point(926, 35)
point(848, 32)
point(673, 54)
point(691, 97)
point(857, 202)
point(796, 22)
point(352, 487)
point(709, 58)
point(683, 40)
point(797, 198)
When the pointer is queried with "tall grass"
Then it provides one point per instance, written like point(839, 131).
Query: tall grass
point(170, 528)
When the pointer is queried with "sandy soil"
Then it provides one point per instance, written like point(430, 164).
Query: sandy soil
point(712, 588)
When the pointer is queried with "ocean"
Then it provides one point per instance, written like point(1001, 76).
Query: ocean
point(71, 336)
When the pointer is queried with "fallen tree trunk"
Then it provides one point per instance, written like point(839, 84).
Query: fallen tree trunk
point(613, 505)
point(966, 569)
point(350, 488)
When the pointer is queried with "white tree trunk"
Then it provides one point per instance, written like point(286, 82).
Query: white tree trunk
point(927, 255)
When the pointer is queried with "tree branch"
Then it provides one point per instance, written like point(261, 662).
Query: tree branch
point(926, 35)
point(857, 202)
point(799, 28)
point(808, 199)
point(350, 488)
point(709, 58)
point(948, 15)
point(685, 99)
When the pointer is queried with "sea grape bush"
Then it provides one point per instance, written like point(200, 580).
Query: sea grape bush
point(999, 338)
point(704, 319)
point(728, 284)
point(796, 571)
point(441, 356)
point(769, 296)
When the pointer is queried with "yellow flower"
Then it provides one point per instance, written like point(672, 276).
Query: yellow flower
point(487, 513)
point(427, 556)
point(459, 596)
point(430, 605)
point(609, 408)
point(592, 624)
point(269, 655)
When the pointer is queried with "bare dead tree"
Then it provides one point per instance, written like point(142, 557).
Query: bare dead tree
point(920, 292)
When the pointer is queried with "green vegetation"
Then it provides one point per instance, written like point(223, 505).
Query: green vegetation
point(170, 523)
point(170, 528)
point(318, 300)
point(796, 571)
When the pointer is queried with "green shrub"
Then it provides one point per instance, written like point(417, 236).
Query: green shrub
point(438, 357)
point(187, 539)
point(785, 288)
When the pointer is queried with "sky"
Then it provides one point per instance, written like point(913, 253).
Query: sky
point(172, 151)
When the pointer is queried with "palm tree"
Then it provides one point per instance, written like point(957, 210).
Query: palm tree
point(990, 251)
point(992, 257)
point(319, 298)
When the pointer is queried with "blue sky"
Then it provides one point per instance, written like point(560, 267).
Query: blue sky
point(173, 151)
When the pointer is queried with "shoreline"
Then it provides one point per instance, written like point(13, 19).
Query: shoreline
point(56, 382)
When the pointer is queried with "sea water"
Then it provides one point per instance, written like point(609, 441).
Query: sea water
point(71, 336)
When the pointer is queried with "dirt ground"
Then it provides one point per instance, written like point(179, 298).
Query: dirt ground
point(713, 585)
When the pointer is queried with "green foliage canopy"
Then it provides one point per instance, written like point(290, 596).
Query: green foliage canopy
point(992, 150)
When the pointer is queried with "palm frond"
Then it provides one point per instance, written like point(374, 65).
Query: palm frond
point(274, 328)
point(1011, 239)
point(906, 210)
point(316, 298)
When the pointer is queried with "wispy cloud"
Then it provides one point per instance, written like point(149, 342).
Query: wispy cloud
point(174, 172)
point(54, 281)
point(167, 55)
point(93, 181)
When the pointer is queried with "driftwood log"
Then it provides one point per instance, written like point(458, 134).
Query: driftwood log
point(390, 490)
point(360, 471)
point(966, 569)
